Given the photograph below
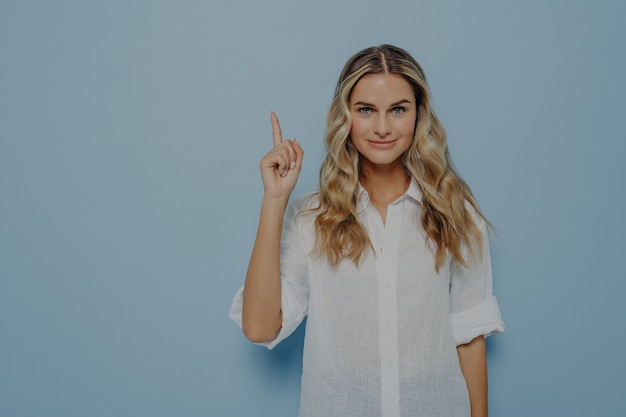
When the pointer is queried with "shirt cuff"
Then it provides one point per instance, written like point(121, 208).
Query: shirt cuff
point(288, 326)
point(480, 320)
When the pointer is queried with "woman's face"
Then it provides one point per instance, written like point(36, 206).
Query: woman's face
point(383, 112)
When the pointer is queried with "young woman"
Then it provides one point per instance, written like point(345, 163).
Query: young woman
point(389, 259)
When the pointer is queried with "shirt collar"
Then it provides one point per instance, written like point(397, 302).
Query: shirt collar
point(363, 199)
point(414, 191)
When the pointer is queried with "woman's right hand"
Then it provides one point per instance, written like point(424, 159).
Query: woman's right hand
point(281, 166)
point(261, 316)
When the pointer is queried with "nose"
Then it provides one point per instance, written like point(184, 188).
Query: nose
point(382, 126)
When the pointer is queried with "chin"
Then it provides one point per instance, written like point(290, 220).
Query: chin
point(382, 161)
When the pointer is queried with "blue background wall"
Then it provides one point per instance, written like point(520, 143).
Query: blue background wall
point(130, 134)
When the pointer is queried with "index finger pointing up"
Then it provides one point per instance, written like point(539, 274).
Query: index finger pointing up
point(277, 134)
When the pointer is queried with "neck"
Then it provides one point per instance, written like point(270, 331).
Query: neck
point(384, 184)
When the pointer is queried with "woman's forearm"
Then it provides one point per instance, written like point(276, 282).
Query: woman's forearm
point(473, 361)
point(261, 314)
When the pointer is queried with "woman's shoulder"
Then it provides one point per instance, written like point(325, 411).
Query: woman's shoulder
point(475, 213)
point(300, 215)
point(305, 203)
point(304, 206)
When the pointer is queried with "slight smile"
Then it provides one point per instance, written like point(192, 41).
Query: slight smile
point(382, 144)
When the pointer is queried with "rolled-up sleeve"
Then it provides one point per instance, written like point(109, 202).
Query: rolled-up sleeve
point(294, 279)
point(474, 310)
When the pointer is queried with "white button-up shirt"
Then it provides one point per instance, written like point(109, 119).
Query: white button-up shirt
point(381, 338)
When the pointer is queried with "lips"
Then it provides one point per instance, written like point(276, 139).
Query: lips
point(382, 144)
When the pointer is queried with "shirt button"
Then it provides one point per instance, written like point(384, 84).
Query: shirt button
point(394, 219)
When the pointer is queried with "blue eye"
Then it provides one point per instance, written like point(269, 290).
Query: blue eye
point(365, 110)
point(397, 110)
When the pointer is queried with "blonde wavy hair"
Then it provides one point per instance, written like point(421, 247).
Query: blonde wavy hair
point(447, 202)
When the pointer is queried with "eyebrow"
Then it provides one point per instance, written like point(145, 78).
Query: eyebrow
point(397, 103)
